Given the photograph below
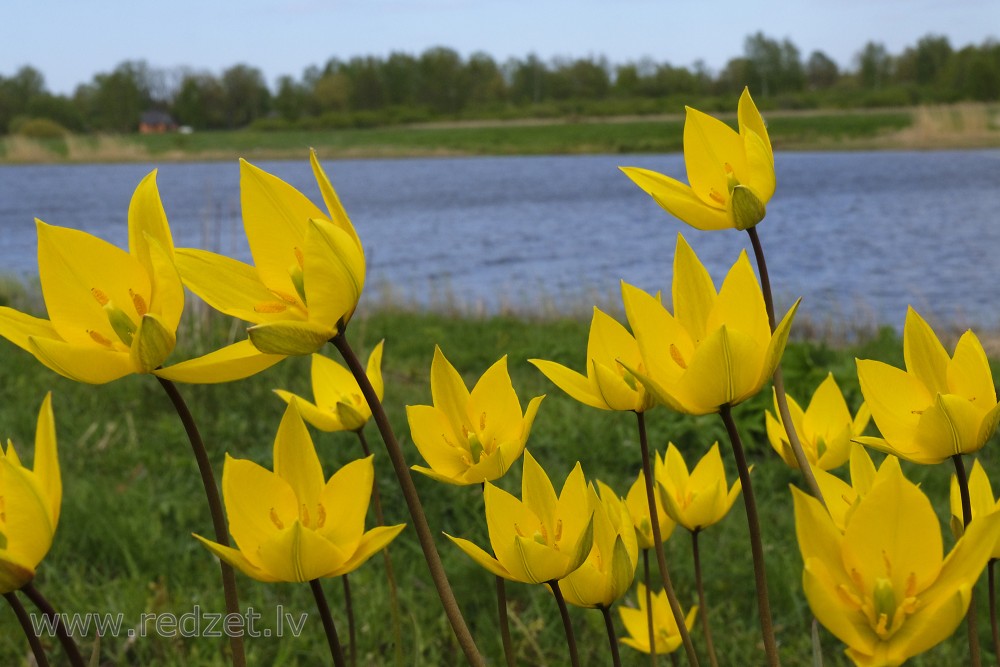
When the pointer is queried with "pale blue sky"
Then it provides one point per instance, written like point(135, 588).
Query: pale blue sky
point(71, 40)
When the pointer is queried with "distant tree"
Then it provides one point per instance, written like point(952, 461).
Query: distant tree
point(18, 92)
point(974, 72)
point(401, 77)
point(200, 102)
point(444, 87)
point(367, 87)
point(332, 92)
point(821, 71)
point(116, 100)
point(486, 83)
point(291, 101)
point(527, 79)
point(245, 95)
point(626, 82)
point(874, 66)
point(764, 59)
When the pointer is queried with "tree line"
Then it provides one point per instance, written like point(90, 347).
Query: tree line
point(439, 83)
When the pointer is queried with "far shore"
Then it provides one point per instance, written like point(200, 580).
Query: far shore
point(959, 126)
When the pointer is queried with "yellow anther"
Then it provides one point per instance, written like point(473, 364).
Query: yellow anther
point(558, 529)
point(482, 421)
point(716, 197)
point(675, 354)
point(98, 338)
point(304, 515)
point(139, 303)
point(275, 520)
point(270, 307)
point(300, 258)
point(100, 296)
point(882, 627)
point(517, 529)
point(848, 596)
point(284, 296)
point(911, 585)
point(728, 168)
point(320, 516)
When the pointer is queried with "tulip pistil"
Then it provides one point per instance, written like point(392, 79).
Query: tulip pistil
point(120, 322)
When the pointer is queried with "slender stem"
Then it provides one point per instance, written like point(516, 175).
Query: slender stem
point(779, 382)
point(609, 625)
point(351, 635)
point(328, 626)
point(416, 509)
point(756, 547)
point(28, 629)
point(975, 660)
point(215, 507)
point(991, 573)
point(390, 573)
point(508, 645)
point(661, 558)
point(649, 608)
point(703, 606)
point(69, 646)
point(574, 657)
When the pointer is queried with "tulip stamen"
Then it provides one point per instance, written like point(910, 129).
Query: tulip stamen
point(304, 515)
point(320, 516)
point(276, 521)
point(98, 338)
point(270, 307)
point(716, 197)
point(100, 296)
point(138, 302)
point(675, 354)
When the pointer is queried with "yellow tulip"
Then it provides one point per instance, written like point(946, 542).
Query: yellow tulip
point(289, 525)
point(825, 428)
point(638, 507)
point(540, 538)
point(717, 347)
point(665, 631)
point(309, 266)
point(883, 586)
point(731, 174)
point(608, 571)
point(698, 499)
point(841, 498)
point(113, 313)
point(607, 384)
point(983, 502)
point(30, 501)
point(939, 406)
point(339, 404)
point(470, 437)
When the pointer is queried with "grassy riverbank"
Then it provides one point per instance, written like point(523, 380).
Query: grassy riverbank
point(959, 126)
point(132, 499)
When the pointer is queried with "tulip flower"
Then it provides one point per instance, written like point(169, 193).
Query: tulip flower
point(638, 507)
point(339, 404)
point(289, 525)
point(698, 499)
point(608, 571)
point(841, 498)
point(825, 428)
point(470, 437)
point(939, 406)
point(608, 385)
point(540, 538)
point(717, 347)
point(983, 501)
point(731, 174)
point(667, 638)
point(113, 313)
point(883, 586)
point(309, 267)
point(29, 504)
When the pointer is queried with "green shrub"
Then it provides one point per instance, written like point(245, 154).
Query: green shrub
point(37, 128)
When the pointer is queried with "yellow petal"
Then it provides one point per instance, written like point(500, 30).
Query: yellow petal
point(295, 459)
point(895, 397)
point(615, 392)
point(334, 273)
point(374, 370)
point(324, 420)
point(89, 364)
point(152, 344)
point(749, 118)
point(925, 357)
point(538, 493)
point(167, 292)
point(371, 543)
point(969, 372)
point(779, 339)
point(694, 293)
point(657, 332)
point(299, 554)
point(233, 362)
point(147, 220)
point(338, 215)
point(725, 369)
point(345, 498)
point(680, 200)
point(950, 426)
point(18, 328)
point(506, 516)
point(482, 558)
point(609, 341)
point(450, 394)
point(437, 443)
point(290, 337)
point(28, 525)
point(236, 558)
point(231, 287)
point(709, 145)
point(331, 381)
point(578, 386)
point(258, 502)
point(740, 305)
point(493, 407)
point(46, 462)
point(760, 166)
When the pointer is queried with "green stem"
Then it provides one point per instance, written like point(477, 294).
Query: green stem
point(991, 573)
point(574, 656)
point(703, 606)
point(661, 558)
point(508, 645)
point(781, 397)
point(69, 646)
point(390, 573)
point(328, 626)
point(616, 658)
point(756, 547)
point(975, 660)
point(424, 536)
point(28, 629)
point(649, 608)
point(351, 634)
point(215, 507)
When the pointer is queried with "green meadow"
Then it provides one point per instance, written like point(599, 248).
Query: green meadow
point(132, 498)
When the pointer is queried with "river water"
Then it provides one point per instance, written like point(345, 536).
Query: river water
point(858, 235)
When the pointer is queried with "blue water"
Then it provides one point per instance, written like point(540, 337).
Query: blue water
point(857, 235)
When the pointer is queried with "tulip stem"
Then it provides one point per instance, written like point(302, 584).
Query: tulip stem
point(351, 634)
point(661, 558)
point(779, 381)
point(975, 660)
point(390, 574)
point(215, 507)
point(649, 608)
point(991, 575)
point(574, 656)
point(609, 625)
point(756, 547)
point(424, 536)
point(703, 611)
point(28, 629)
point(328, 626)
point(69, 646)
point(508, 646)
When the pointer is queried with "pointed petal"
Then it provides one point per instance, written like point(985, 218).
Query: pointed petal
point(295, 459)
point(371, 543)
point(236, 558)
point(230, 286)
point(950, 426)
point(19, 328)
point(324, 420)
point(615, 392)
point(449, 393)
point(709, 145)
point(290, 337)
point(257, 502)
point(969, 372)
point(330, 381)
point(578, 386)
point(749, 118)
point(609, 341)
point(538, 493)
point(167, 292)
point(147, 220)
point(725, 369)
point(779, 339)
point(436, 441)
point(233, 362)
point(657, 333)
point(28, 515)
point(345, 498)
point(494, 410)
point(925, 357)
point(694, 292)
point(374, 371)
point(760, 166)
point(483, 559)
point(680, 200)
point(740, 305)
point(46, 463)
point(90, 364)
point(334, 273)
point(299, 554)
point(338, 215)
point(896, 399)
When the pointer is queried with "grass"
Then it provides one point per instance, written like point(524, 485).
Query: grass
point(133, 497)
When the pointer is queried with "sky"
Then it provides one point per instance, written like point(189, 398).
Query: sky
point(70, 41)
